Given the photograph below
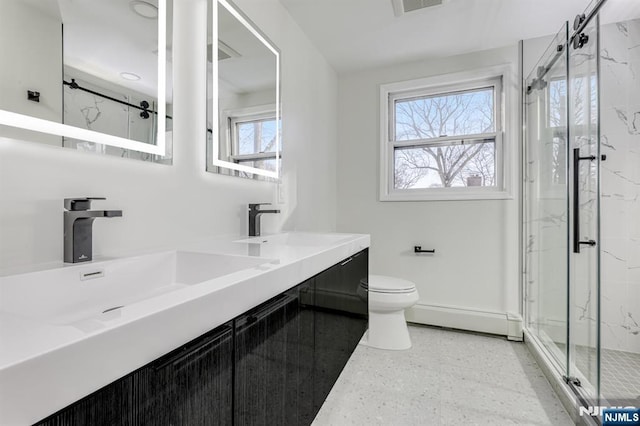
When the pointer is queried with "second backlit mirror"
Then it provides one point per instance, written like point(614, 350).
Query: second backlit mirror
point(244, 124)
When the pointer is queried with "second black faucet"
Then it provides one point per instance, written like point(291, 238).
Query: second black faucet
point(254, 217)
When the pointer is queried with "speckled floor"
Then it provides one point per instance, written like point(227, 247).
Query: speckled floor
point(446, 378)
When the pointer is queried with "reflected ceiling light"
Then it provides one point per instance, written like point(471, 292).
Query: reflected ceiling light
point(130, 76)
point(144, 9)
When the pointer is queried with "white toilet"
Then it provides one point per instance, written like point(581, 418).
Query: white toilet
point(388, 298)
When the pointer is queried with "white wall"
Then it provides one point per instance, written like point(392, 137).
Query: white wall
point(164, 205)
point(309, 98)
point(475, 266)
point(30, 40)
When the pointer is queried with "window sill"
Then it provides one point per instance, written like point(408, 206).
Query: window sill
point(447, 196)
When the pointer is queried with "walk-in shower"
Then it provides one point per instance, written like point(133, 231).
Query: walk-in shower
point(581, 208)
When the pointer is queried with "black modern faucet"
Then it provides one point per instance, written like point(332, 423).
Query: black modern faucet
point(254, 218)
point(78, 227)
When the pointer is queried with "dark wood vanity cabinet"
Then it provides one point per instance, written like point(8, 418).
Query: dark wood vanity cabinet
point(272, 365)
point(111, 405)
point(290, 350)
point(341, 315)
point(191, 385)
point(274, 361)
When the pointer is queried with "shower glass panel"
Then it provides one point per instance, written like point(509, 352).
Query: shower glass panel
point(620, 202)
point(546, 192)
point(585, 207)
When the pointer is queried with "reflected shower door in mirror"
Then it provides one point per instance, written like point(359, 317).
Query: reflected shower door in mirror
point(243, 135)
point(91, 75)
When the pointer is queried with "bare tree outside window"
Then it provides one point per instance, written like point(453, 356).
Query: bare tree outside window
point(455, 140)
point(255, 144)
point(583, 101)
point(256, 136)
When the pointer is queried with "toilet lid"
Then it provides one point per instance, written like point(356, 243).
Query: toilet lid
point(384, 284)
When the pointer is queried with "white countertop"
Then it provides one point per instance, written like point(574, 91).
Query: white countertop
point(45, 367)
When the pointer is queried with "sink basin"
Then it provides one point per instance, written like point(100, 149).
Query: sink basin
point(299, 239)
point(77, 292)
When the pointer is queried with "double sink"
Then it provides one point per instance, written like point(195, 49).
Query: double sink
point(67, 331)
point(73, 295)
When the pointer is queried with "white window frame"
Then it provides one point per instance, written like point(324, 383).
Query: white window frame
point(228, 121)
point(234, 137)
point(505, 141)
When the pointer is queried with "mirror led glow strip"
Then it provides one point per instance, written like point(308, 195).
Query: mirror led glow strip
point(27, 122)
point(214, 144)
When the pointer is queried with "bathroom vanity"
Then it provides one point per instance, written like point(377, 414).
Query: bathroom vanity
point(262, 344)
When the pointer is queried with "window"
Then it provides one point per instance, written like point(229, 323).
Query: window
point(251, 138)
point(583, 117)
point(253, 141)
point(442, 141)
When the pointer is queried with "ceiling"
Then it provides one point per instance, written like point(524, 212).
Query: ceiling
point(359, 34)
point(254, 69)
point(106, 38)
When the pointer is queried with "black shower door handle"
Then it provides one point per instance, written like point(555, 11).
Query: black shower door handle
point(576, 201)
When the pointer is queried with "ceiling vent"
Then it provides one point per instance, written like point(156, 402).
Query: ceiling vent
point(400, 7)
point(224, 52)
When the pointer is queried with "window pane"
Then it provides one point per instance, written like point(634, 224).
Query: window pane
point(256, 136)
point(584, 100)
point(454, 165)
point(557, 103)
point(451, 114)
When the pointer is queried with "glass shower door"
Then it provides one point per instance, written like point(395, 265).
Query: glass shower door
point(582, 203)
point(584, 149)
point(546, 191)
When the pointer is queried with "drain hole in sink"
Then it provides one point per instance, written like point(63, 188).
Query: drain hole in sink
point(112, 309)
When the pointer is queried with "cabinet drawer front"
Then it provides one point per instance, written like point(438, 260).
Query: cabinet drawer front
point(195, 350)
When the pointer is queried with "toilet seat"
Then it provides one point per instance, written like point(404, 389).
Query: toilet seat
point(384, 284)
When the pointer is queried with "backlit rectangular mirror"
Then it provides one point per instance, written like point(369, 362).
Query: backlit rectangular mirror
point(87, 74)
point(244, 129)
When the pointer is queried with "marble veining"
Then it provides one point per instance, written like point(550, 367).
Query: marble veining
point(91, 113)
point(620, 174)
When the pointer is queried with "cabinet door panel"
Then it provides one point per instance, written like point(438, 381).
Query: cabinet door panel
point(191, 385)
point(340, 320)
point(301, 394)
point(274, 359)
point(108, 406)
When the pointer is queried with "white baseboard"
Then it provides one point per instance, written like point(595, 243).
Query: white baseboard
point(467, 319)
point(515, 327)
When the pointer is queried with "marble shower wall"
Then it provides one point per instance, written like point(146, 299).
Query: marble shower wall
point(620, 185)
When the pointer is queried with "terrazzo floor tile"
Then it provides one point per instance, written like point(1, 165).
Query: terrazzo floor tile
point(446, 378)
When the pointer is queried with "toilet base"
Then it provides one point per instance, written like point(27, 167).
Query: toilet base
point(387, 330)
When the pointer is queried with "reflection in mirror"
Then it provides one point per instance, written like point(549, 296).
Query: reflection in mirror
point(89, 75)
point(243, 97)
